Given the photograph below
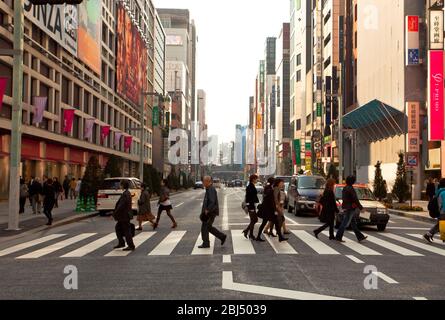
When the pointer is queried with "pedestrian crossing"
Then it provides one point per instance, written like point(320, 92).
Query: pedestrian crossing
point(179, 243)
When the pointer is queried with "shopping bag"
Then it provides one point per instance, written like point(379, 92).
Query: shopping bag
point(442, 229)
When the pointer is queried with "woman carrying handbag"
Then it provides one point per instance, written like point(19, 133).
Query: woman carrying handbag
point(144, 212)
point(328, 210)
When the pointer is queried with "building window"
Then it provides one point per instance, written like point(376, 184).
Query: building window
point(299, 76)
point(298, 128)
point(327, 63)
point(327, 39)
point(299, 59)
point(65, 90)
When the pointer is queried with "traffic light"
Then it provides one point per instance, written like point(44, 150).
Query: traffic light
point(40, 2)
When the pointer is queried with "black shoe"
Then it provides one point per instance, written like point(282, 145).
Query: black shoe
point(260, 240)
point(119, 246)
point(129, 249)
point(340, 240)
point(245, 233)
point(287, 232)
point(139, 229)
point(223, 240)
point(252, 237)
point(332, 238)
point(428, 238)
point(316, 234)
point(272, 235)
point(283, 239)
point(362, 239)
point(204, 246)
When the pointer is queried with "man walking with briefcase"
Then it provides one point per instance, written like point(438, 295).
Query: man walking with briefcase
point(210, 210)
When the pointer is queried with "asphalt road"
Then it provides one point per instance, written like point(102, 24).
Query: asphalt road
point(167, 264)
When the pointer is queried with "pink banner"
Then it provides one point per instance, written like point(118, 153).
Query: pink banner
point(68, 118)
point(3, 82)
point(104, 133)
point(117, 138)
point(436, 98)
point(128, 142)
point(88, 132)
point(39, 107)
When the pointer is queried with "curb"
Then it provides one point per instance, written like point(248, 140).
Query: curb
point(412, 216)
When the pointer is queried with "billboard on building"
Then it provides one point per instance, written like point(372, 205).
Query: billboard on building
point(60, 22)
point(413, 126)
point(132, 57)
point(412, 40)
point(436, 95)
point(89, 40)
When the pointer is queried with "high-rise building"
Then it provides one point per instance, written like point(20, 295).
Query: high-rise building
point(80, 70)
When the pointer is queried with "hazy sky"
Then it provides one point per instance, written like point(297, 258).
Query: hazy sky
point(232, 36)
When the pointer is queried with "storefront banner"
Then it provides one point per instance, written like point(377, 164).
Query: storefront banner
point(413, 126)
point(117, 138)
point(436, 30)
point(259, 121)
point(436, 95)
point(128, 142)
point(39, 107)
point(89, 125)
point(412, 40)
point(3, 82)
point(104, 133)
point(68, 118)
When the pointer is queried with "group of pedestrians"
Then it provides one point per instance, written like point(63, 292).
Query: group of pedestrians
point(271, 210)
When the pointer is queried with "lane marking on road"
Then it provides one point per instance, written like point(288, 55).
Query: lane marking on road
point(93, 246)
point(356, 260)
point(420, 298)
point(29, 244)
point(207, 251)
point(166, 247)
point(228, 284)
point(227, 258)
point(138, 241)
point(241, 245)
point(225, 219)
point(180, 204)
point(281, 247)
point(317, 245)
point(392, 247)
point(416, 244)
point(357, 247)
point(385, 278)
point(57, 246)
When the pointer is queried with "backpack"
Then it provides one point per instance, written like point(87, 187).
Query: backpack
point(433, 207)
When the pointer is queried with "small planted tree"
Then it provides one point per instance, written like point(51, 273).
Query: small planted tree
point(113, 167)
point(379, 184)
point(92, 179)
point(401, 187)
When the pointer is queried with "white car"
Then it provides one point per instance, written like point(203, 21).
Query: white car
point(111, 191)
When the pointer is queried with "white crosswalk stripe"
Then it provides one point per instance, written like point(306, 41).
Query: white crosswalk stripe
point(207, 251)
point(423, 246)
point(169, 242)
point(393, 247)
point(357, 247)
point(317, 245)
point(138, 240)
point(29, 244)
point(57, 246)
point(281, 247)
point(241, 245)
point(91, 247)
point(166, 247)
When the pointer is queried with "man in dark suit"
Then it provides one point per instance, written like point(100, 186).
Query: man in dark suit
point(122, 215)
point(210, 210)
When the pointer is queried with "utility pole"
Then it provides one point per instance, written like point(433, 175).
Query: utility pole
point(16, 123)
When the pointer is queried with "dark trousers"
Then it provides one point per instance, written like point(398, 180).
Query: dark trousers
point(22, 204)
point(123, 229)
point(326, 225)
point(349, 219)
point(276, 222)
point(207, 227)
point(253, 220)
point(66, 193)
point(47, 210)
point(168, 213)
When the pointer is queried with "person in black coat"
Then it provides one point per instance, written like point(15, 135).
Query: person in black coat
point(328, 210)
point(251, 200)
point(267, 211)
point(430, 189)
point(35, 190)
point(66, 186)
point(49, 200)
point(122, 215)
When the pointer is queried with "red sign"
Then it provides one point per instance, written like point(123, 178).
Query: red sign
point(436, 96)
point(413, 23)
point(68, 117)
point(412, 160)
point(3, 82)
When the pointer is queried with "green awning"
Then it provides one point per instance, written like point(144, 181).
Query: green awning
point(376, 119)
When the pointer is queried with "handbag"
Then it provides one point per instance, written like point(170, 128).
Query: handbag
point(244, 207)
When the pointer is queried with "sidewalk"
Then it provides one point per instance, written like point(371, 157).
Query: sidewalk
point(416, 215)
